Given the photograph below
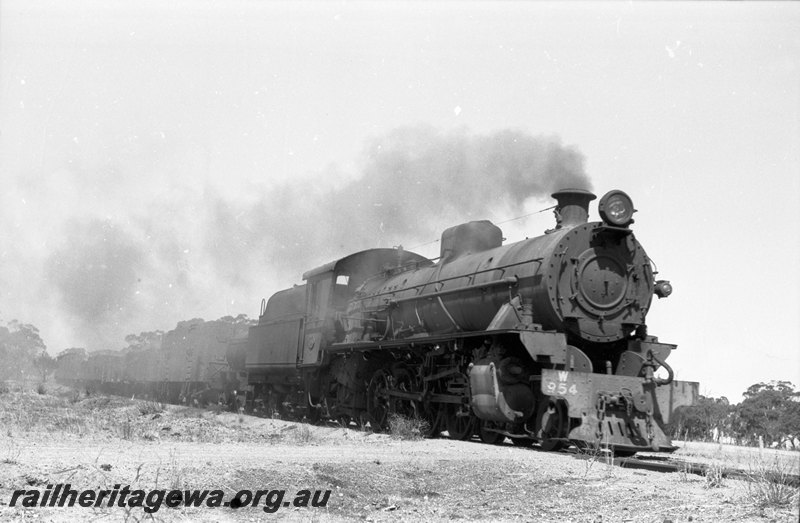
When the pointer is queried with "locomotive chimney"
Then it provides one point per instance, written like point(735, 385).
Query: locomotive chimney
point(573, 207)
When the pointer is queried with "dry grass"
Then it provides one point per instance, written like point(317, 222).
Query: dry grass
point(405, 428)
point(684, 471)
point(734, 456)
point(71, 414)
point(426, 485)
point(771, 474)
point(593, 454)
point(770, 484)
point(713, 475)
point(430, 480)
point(11, 453)
point(304, 435)
point(149, 407)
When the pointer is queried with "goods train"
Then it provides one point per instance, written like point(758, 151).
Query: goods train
point(542, 341)
point(185, 365)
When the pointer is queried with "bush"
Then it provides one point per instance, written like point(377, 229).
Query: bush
point(126, 430)
point(304, 435)
point(149, 407)
point(714, 475)
point(771, 484)
point(402, 427)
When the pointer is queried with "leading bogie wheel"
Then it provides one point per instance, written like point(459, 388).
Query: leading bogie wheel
point(459, 427)
point(488, 433)
point(522, 442)
point(554, 423)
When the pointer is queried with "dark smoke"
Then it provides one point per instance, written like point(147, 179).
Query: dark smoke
point(185, 251)
point(415, 181)
point(414, 174)
point(95, 271)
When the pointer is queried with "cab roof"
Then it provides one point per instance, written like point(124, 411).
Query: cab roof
point(368, 263)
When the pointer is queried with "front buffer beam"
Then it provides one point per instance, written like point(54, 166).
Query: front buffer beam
point(620, 412)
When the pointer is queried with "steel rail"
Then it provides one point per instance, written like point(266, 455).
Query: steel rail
point(666, 464)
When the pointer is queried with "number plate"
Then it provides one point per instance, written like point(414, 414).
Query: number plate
point(558, 383)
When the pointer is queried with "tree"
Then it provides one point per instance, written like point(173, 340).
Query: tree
point(20, 343)
point(45, 364)
point(770, 411)
point(699, 421)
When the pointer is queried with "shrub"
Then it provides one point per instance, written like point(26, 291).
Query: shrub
point(150, 407)
point(714, 475)
point(402, 427)
point(304, 435)
point(126, 430)
point(771, 483)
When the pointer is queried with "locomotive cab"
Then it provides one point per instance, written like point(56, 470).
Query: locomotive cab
point(333, 286)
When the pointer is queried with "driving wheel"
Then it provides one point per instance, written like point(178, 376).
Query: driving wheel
point(378, 400)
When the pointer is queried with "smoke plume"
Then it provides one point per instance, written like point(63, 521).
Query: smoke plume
point(415, 181)
point(149, 252)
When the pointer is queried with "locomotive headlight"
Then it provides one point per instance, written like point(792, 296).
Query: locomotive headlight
point(663, 288)
point(616, 208)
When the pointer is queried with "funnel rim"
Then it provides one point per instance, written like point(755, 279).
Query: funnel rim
point(569, 191)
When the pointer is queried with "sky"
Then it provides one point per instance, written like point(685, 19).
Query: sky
point(166, 161)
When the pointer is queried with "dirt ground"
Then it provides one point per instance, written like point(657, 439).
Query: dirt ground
point(99, 442)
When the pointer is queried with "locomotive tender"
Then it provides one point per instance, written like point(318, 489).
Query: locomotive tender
point(541, 341)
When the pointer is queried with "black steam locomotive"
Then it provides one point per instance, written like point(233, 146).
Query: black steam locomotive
point(541, 341)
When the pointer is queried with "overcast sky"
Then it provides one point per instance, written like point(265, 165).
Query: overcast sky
point(164, 161)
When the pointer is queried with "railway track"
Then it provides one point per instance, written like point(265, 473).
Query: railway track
point(670, 464)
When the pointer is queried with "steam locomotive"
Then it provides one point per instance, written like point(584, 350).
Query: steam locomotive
point(543, 341)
